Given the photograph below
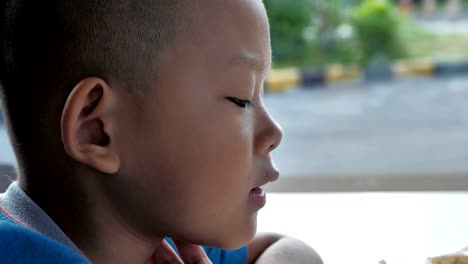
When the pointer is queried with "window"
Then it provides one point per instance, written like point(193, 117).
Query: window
point(372, 98)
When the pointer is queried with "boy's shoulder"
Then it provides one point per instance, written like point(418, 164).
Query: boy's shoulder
point(21, 245)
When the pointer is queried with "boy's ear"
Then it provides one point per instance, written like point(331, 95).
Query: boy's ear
point(87, 126)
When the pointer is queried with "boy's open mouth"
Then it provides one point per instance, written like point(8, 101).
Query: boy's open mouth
point(257, 191)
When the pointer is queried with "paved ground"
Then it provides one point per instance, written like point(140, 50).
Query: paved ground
point(410, 127)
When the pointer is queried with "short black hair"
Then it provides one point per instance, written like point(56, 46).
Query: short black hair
point(48, 46)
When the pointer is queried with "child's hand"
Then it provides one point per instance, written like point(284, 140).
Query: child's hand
point(191, 254)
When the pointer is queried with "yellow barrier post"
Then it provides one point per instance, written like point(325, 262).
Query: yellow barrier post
point(281, 80)
point(337, 73)
point(414, 68)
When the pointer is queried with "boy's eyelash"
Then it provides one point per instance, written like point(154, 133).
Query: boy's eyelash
point(241, 103)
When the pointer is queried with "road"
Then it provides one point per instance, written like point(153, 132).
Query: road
point(415, 127)
point(365, 136)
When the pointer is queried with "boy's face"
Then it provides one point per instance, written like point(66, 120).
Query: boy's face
point(192, 155)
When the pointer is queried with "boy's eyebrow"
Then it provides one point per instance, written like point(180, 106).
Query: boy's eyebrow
point(258, 64)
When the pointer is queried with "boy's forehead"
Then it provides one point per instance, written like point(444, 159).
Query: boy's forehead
point(237, 33)
point(259, 63)
point(225, 38)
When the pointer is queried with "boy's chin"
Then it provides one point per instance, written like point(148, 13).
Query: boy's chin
point(234, 241)
point(228, 238)
point(230, 245)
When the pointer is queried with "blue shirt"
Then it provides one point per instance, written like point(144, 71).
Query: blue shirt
point(44, 242)
point(21, 245)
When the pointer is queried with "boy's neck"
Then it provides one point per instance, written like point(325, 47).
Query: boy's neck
point(81, 214)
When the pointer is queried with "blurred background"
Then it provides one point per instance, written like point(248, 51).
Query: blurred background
point(371, 94)
point(373, 99)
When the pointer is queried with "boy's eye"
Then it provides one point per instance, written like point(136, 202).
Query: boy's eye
point(239, 102)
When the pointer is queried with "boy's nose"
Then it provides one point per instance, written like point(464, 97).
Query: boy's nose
point(270, 135)
point(277, 135)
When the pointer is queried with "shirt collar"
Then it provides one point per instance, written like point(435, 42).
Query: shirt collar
point(18, 204)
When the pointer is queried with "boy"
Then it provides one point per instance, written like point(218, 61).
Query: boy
point(138, 120)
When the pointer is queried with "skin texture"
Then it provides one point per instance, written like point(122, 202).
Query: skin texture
point(195, 144)
point(181, 161)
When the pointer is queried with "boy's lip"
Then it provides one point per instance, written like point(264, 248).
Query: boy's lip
point(271, 176)
point(258, 196)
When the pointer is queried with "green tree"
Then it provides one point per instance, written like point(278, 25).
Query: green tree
point(288, 20)
point(328, 46)
point(376, 24)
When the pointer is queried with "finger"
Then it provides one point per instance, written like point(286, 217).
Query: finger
point(191, 254)
point(164, 254)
